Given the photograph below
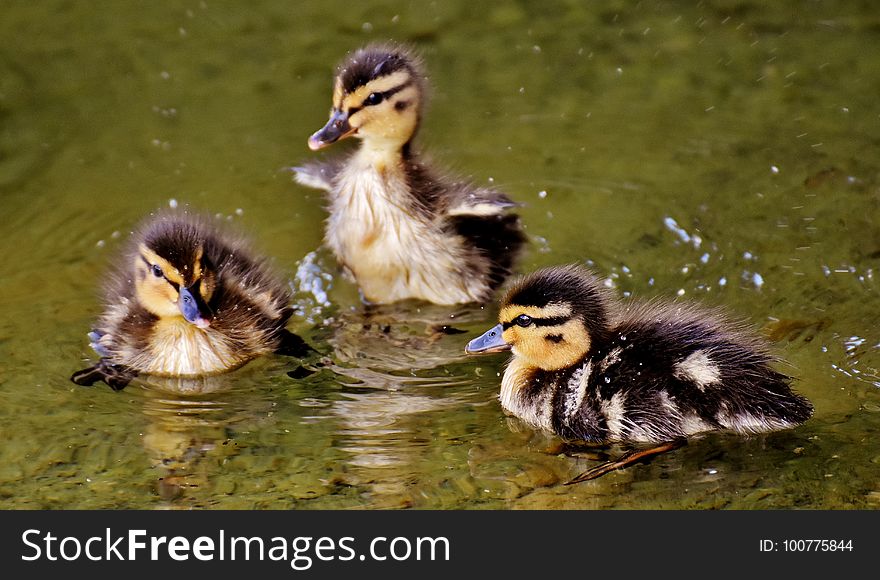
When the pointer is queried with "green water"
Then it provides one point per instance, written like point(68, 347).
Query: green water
point(723, 151)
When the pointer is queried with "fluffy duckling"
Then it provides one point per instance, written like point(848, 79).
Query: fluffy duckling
point(589, 369)
point(188, 300)
point(397, 227)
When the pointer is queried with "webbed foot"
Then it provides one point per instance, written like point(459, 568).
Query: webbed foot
point(116, 377)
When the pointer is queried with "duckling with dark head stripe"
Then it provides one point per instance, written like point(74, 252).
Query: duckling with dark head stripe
point(590, 369)
point(188, 299)
point(397, 227)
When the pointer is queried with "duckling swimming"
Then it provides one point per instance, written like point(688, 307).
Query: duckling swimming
point(589, 369)
point(188, 300)
point(401, 230)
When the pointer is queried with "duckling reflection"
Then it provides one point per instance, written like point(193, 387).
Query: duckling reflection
point(389, 338)
point(394, 364)
point(385, 435)
point(395, 368)
point(190, 431)
point(395, 338)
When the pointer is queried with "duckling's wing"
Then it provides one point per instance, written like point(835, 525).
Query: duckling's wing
point(318, 174)
point(479, 202)
point(95, 341)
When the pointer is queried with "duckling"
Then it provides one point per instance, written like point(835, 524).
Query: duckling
point(188, 299)
point(398, 228)
point(589, 369)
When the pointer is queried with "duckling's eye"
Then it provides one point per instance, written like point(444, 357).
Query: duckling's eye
point(523, 320)
point(374, 99)
point(157, 271)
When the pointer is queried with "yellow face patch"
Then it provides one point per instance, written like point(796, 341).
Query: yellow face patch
point(155, 293)
point(393, 119)
point(158, 294)
point(548, 346)
point(169, 271)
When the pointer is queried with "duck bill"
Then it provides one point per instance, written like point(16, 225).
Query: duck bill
point(189, 307)
point(336, 128)
point(488, 342)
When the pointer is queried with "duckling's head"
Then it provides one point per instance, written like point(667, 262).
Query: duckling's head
point(377, 97)
point(550, 318)
point(173, 277)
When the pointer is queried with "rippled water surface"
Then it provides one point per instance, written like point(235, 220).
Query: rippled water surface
point(723, 151)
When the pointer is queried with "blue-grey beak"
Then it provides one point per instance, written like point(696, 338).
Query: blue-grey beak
point(489, 341)
point(189, 307)
point(336, 128)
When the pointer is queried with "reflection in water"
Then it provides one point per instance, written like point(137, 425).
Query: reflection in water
point(189, 420)
point(394, 364)
point(381, 418)
point(406, 336)
point(380, 432)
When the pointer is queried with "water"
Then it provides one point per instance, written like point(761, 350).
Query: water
point(723, 152)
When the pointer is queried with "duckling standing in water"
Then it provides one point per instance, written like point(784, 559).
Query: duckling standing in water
point(396, 226)
point(591, 370)
point(188, 300)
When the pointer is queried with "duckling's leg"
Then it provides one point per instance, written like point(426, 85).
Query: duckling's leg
point(116, 376)
point(626, 460)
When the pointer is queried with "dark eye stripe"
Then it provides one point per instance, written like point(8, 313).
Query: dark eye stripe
point(150, 268)
point(552, 321)
point(385, 95)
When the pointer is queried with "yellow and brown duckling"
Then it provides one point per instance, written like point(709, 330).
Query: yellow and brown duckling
point(589, 369)
point(397, 227)
point(186, 300)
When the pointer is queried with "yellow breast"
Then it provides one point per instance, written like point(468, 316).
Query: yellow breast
point(394, 254)
point(178, 348)
point(537, 410)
